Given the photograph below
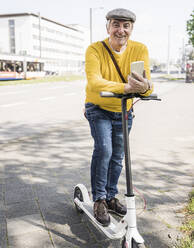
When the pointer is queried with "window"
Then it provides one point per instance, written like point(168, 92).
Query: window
point(12, 35)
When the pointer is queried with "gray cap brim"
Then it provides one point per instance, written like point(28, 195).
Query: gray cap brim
point(121, 14)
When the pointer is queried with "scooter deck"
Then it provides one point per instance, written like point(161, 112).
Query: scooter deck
point(113, 231)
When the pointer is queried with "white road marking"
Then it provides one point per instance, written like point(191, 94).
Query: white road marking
point(48, 98)
point(57, 87)
point(13, 93)
point(70, 94)
point(190, 138)
point(12, 104)
point(41, 99)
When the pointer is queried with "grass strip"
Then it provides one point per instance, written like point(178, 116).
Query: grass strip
point(188, 226)
point(66, 78)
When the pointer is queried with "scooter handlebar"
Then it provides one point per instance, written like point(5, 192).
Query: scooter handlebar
point(108, 94)
point(131, 95)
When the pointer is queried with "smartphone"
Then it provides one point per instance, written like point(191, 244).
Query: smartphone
point(137, 66)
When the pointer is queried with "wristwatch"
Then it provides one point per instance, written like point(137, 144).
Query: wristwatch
point(148, 87)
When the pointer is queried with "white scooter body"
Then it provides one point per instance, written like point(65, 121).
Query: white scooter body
point(116, 230)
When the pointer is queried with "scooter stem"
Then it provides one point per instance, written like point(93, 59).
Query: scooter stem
point(127, 148)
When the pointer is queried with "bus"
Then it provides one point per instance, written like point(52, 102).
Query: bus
point(15, 69)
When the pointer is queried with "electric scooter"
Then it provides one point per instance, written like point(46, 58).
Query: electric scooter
point(126, 228)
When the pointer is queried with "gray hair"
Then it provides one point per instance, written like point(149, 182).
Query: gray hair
point(107, 23)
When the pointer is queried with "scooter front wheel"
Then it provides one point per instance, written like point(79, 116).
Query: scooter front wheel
point(125, 244)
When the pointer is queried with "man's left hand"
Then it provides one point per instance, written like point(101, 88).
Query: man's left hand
point(141, 84)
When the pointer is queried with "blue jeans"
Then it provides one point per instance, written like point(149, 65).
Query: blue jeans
point(108, 153)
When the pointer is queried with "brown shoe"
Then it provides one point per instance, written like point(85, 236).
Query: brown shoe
point(116, 207)
point(101, 212)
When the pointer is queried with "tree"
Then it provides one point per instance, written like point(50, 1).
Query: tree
point(190, 29)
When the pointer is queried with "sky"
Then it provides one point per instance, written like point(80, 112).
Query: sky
point(160, 25)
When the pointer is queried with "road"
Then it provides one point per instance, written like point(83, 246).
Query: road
point(45, 150)
point(32, 108)
point(36, 107)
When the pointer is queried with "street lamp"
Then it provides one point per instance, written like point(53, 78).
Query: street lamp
point(91, 21)
point(168, 54)
point(90, 25)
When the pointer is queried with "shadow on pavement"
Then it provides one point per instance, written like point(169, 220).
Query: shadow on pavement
point(37, 177)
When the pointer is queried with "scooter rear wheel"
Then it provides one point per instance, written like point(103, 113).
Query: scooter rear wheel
point(124, 244)
point(78, 194)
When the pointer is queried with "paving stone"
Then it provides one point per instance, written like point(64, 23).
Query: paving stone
point(3, 232)
point(15, 182)
point(12, 169)
point(169, 217)
point(1, 188)
point(157, 200)
point(148, 220)
point(60, 242)
point(1, 169)
point(180, 195)
point(19, 194)
point(25, 224)
point(3, 243)
point(2, 210)
point(21, 209)
point(164, 239)
point(1, 198)
point(76, 234)
point(34, 239)
point(67, 230)
point(53, 206)
point(48, 190)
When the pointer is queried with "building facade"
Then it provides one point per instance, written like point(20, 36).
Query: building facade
point(61, 48)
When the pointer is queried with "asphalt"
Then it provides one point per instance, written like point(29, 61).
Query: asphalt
point(38, 174)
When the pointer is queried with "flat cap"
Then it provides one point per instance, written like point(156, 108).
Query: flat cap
point(121, 14)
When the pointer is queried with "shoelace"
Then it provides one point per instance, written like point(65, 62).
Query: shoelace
point(102, 207)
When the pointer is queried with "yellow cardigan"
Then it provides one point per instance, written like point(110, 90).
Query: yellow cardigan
point(103, 76)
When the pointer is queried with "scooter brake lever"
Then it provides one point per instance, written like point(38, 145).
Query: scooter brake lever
point(150, 97)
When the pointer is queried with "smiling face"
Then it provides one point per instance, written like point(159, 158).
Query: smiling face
point(119, 32)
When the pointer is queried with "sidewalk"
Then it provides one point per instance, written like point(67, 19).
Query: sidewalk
point(37, 176)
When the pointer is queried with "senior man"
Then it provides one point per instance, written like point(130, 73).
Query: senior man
point(104, 114)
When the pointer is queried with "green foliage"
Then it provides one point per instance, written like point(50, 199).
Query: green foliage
point(190, 29)
point(188, 227)
point(191, 195)
point(186, 243)
point(191, 203)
